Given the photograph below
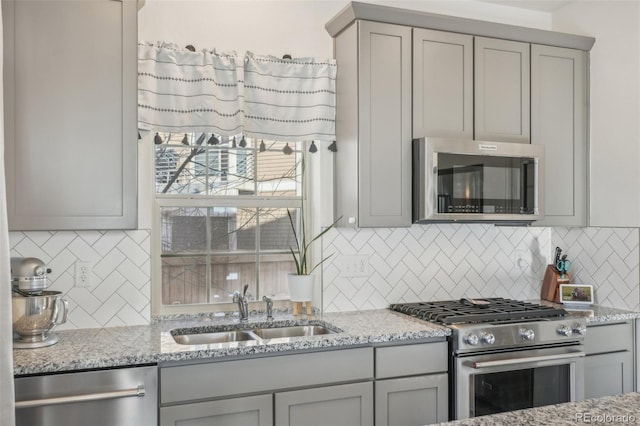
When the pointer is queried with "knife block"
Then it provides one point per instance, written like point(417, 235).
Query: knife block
point(551, 284)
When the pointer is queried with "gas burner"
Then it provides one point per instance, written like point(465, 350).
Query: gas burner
point(472, 311)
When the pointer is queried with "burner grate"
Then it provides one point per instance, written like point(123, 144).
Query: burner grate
point(462, 312)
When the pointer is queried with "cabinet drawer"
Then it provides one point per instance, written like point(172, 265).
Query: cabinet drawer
point(225, 378)
point(407, 360)
point(608, 338)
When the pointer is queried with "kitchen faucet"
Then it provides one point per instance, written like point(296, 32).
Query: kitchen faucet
point(243, 303)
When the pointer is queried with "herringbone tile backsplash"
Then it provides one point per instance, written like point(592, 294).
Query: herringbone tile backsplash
point(440, 262)
point(121, 285)
point(424, 262)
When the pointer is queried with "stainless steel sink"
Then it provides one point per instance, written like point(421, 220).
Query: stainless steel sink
point(207, 338)
point(199, 337)
point(292, 331)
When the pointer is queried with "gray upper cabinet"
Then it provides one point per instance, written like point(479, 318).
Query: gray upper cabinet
point(70, 114)
point(559, 122)
point(442, 84)
point(501, 86)
point(373, 126)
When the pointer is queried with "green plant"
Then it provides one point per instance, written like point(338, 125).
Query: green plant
point(303, 246)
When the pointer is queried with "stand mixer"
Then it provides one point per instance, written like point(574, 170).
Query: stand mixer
point(34, 311)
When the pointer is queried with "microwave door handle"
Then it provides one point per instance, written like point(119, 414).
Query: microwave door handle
point(524, 360)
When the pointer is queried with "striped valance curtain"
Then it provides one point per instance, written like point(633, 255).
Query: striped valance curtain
point(289, 99)
point(263, 97)
point(181, 91)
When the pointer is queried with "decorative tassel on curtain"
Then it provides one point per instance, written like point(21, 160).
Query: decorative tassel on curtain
point(262, 97)
point(187, 92)
point(289, 99)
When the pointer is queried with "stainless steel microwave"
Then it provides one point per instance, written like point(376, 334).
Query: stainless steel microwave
point(475, 181)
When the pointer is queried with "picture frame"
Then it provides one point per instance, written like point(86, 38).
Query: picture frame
point(576, 294)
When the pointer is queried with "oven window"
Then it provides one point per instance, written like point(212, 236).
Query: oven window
point(515, 390)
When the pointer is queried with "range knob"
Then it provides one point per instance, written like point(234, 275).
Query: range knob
point(564, 331)
point(527, 334)
point(487, 338)
point(579, 329)
point(471, 339)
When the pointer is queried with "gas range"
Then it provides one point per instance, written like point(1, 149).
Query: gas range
point(496, 323)
point(507, 354)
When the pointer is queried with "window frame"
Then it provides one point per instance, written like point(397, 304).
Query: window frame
point(160, 200)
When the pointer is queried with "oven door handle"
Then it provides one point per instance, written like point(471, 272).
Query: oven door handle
point(524, 360)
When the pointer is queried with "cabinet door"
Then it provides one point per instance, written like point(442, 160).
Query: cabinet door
point(501, 86)
point(70, 105)
point(558, 121)
point(442, 84)
point(608, 374)
point(384, 105)
point(249, 411)
point(345, 405)
point(412, 401)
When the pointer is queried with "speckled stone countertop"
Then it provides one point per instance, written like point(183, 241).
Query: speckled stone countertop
point(596, 313)
point(138, 345)
point(615, 410)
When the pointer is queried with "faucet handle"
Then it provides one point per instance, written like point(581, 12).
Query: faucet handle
point(244, 291)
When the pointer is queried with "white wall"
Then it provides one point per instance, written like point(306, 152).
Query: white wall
point(615, 105)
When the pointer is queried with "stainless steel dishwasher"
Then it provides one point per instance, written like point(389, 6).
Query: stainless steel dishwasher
point(114, 397)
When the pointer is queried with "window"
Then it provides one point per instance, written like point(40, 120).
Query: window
point(222, 216)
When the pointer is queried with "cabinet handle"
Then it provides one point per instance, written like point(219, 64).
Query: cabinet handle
point(125, 393)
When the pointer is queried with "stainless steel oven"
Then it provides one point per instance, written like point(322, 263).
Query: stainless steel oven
point(489, 383)
point(507, 354)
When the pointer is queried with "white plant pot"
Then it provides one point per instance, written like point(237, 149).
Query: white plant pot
point(301, 287)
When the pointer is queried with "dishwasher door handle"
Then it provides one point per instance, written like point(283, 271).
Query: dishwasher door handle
point(99, 396)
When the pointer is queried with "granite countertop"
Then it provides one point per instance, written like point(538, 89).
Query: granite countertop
point(149, 344)
point(619, 409)
point(595, 313)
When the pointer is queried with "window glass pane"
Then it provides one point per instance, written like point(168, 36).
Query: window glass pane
point(184, 280)
point(278, 174)
point(235, 230)
point(231, 273)
point(274, 268)
point(275, 229)
point(183, 230)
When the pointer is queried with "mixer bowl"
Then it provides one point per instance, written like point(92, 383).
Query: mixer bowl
point(35, 316)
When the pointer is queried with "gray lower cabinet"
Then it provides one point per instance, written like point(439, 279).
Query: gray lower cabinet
point(344, 405)
point(402, 385)
point(501, 90)
point(412, 401)
point(608, 365)
point(559, 122)
point(70, 76)
point(247, 411)
point(411, 385)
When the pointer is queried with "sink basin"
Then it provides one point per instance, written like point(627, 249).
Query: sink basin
point(201, 337)
point(292, 331)
point(207, 338)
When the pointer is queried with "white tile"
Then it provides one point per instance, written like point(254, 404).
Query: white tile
point(135, 299)
point(108, 241)
point(132, 251)
point(107, 287)
point(109, 309)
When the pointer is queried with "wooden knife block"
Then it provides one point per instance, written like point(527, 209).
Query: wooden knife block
point(551, 284)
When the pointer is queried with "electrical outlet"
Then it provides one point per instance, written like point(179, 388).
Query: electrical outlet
point(83, 273)
point(354, 266)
